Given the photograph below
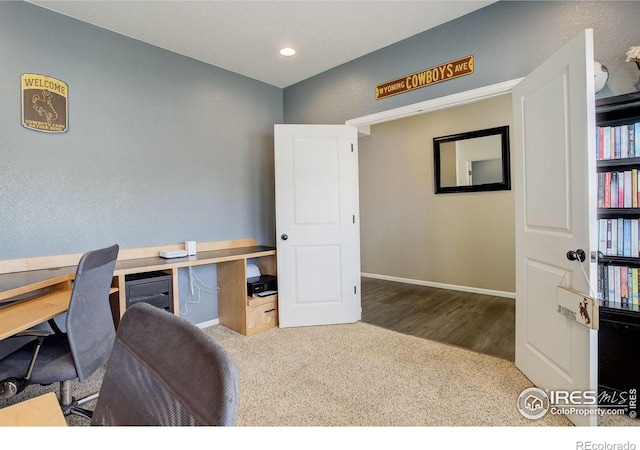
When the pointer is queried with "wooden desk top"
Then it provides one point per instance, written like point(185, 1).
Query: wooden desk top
point(41, 411)
point(25, 314)
point(154, 263)
point(18, 283)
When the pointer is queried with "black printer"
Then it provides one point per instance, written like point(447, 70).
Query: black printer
point(263, 283)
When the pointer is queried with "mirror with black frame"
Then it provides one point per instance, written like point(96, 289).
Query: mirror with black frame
point(475, 161)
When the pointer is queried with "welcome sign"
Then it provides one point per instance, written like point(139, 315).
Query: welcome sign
point(44, 103)
point(427, 77)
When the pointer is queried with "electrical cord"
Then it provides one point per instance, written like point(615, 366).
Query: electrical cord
point(196, 284)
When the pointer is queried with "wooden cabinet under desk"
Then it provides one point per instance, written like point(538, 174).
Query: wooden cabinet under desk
point(236, 310)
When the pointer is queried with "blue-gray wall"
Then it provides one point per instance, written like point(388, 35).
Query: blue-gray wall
point(507, 39)
point(160, 149)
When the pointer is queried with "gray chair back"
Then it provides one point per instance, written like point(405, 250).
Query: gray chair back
point(166, 371)
point(90, 328)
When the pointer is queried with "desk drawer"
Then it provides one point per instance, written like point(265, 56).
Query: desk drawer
point(149, 288)
point(262, 317)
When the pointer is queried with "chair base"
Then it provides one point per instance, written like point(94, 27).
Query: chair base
point(71, 405)
point(73, 409)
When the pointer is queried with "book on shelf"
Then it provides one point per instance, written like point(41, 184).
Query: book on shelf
point(601, 189)
point(617, 294)
point(634, 286)
point(626, 238)
point(601, 282)
point(603, 228)
point(627, 190)
point(611, 283)
point(635, 229)
point(624, 142)
point(614, 190)
point(637, 192)
point(607, 190)
point(613, 247)
point(620, 238)
point(621, 184)
point(634, 188)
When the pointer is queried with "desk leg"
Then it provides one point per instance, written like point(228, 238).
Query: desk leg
point(232, 299)
point(176, 290)
point(121, 298)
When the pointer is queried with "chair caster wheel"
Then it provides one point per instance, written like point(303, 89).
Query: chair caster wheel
point(8, 388)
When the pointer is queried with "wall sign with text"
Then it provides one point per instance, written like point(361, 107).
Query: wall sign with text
point(578, 307)
point(427, 77)
point(44, 103)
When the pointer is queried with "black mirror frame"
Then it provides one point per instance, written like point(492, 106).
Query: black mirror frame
point(504, 185)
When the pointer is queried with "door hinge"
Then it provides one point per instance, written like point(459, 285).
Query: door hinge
point(351, 148)
point(354, 290)
point(354, 218)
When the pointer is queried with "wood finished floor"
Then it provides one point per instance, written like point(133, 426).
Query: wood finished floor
point(482, 323)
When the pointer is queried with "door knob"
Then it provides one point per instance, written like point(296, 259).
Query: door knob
point(576, 255)
point(284, 237)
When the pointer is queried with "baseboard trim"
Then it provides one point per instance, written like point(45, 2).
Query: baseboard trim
point(452, 287)
point(208, 323)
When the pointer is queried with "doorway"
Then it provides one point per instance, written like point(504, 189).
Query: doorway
point(452, 256)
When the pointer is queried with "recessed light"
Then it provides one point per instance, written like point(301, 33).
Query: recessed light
point(287, 51)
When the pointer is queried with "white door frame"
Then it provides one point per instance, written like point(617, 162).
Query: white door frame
point(363, 124)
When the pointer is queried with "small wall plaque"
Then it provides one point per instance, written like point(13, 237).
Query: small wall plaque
point(578, 307)
point(44, 103)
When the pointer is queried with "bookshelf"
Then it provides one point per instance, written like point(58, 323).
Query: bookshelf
point(618, 152)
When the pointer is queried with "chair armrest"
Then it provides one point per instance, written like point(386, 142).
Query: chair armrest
point(33, 333)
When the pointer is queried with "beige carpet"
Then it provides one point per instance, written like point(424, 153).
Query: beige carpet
point(362, 375)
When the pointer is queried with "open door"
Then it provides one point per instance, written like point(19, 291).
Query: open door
point(317, 224)
point(555, 176)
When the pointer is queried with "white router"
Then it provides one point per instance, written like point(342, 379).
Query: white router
point(173, 254)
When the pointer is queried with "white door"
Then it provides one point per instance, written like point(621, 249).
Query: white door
point(554, 156)
point(317, 224)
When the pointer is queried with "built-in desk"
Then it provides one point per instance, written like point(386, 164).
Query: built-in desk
point(52, 286)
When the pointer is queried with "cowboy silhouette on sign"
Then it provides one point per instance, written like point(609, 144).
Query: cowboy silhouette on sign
point(584, 313)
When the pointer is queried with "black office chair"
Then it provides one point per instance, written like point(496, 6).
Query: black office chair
point(166, 371)
point(78, 353)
